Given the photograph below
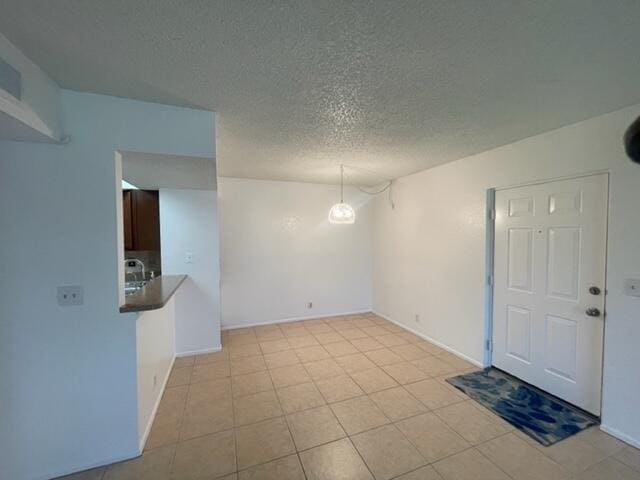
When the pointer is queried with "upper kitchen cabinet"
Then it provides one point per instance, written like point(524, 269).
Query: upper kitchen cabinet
point(141, 216)
point(30, 102)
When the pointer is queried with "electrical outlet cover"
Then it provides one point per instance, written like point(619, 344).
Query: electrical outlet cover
point(70, 295)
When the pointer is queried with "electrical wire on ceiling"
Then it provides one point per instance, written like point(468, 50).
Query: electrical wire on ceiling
point(389, 183)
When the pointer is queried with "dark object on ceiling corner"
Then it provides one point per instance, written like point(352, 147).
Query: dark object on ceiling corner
point(632, 141)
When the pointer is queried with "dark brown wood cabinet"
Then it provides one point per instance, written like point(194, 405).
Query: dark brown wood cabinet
point(141, 216)
point(126, 217)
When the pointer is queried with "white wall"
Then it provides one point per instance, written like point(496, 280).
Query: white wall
point(152, 171)
point(189, 223)
point(68, 374)
point(155, 352)
point(41, 103)
point(279, 252)
point(429, 253)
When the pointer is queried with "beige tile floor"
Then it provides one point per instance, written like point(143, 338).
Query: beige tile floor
point(351, 398)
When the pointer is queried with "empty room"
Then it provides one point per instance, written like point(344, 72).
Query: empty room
point(319, 240)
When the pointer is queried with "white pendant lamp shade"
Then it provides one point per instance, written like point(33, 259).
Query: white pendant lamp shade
point(342, 213)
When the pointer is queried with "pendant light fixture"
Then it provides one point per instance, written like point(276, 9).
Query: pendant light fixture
point(342, 213)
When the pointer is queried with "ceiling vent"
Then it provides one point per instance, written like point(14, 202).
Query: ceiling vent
point(10, 80)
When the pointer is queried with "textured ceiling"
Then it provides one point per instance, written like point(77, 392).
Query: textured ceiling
point(302, 86)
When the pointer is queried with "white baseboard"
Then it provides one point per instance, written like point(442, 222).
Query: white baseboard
point(152, 417)
point(620, 436)
point(294, 319)
point(431, 340)
point(199, 352)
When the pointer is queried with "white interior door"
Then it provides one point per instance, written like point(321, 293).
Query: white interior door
point(549, 286)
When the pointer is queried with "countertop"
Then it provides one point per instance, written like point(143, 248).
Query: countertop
point(153, 295)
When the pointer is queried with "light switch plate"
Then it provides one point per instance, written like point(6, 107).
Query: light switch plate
point(70, 295)
point(632, 287)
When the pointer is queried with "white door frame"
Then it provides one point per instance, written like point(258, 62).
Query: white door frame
point(490, 254)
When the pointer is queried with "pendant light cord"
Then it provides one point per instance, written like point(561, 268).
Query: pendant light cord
point(369, 172)
point(375, 193)
point(378, 192)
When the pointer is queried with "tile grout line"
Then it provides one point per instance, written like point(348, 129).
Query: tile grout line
point(348, 436)
point(314, 381)
point(233, 414)
point(184, 409)
point(433, 377)
point(236, 427)
point(367, 394)
point(328, 404)
point(361, 457)
point(493, 463)
point(286, 422)
point(305, 410)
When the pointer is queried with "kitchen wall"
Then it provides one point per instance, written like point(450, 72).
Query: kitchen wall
point(189, 224)
point(429, 253)
point(68, 374)
point(279, 252)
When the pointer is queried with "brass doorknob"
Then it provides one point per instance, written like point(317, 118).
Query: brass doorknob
point(592, 312)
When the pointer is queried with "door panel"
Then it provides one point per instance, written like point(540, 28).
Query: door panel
point(561, 354)
point(520, 259)
point(519, 333)
point(550, 243)
point(565, 202)
point(521, 207)
point(563, 264)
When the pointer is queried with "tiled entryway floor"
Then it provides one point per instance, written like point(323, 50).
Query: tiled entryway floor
point(349, 398)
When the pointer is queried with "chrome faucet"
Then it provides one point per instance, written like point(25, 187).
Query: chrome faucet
point(139, 262)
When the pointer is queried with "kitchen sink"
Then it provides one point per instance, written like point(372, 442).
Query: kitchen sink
point(132, 287)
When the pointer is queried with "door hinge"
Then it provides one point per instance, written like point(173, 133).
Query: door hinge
point(490, 280)
point(489, 345)
point(491, 214)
